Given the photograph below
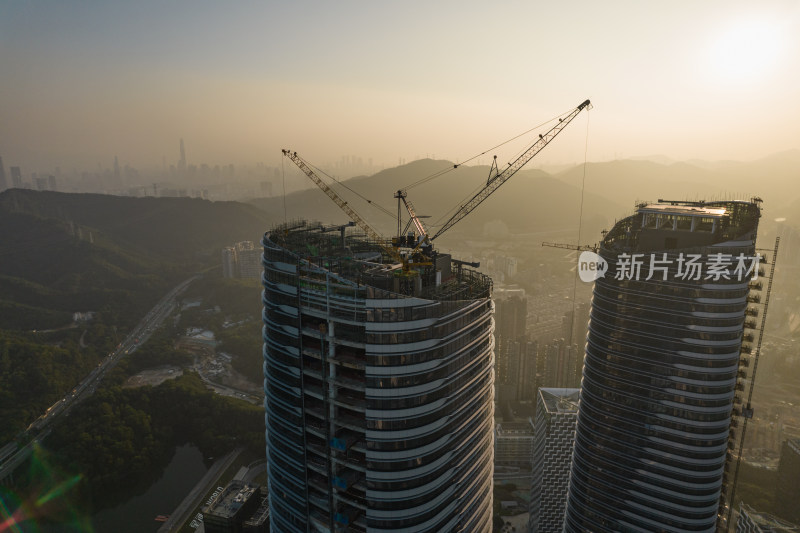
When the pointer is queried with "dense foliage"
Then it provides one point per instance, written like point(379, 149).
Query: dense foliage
point(36, 370)
point(115, 256)
point(177, 230)
point(118, 437)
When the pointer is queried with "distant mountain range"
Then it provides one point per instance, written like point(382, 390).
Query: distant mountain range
point(534, 200)
point(530, 201)
point(775, 179)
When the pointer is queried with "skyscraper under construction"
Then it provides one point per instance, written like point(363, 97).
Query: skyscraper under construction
point(378, 385)
point(663, 366)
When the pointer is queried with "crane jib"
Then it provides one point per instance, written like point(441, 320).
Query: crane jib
point(494, 183)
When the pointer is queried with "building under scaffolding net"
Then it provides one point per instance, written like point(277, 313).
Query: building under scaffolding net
point(378, 385)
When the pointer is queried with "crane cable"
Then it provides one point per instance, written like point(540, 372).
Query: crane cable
point(577, 254)
point(455, 166)
point(283, 173)
point(480, 186)
point(380, 207)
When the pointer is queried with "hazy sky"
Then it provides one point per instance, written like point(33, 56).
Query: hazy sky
point(81, 82)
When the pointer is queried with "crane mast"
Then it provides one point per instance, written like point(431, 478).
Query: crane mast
point(421, 231)
point(497, 179)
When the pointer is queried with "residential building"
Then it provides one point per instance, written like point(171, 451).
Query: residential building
point(554, 436)
point(513, 443)
point(248, 260)
point(229, 262)
point(242, 260)
point(378, 387)
point(560, 364)
point(662, 368)
point(522, 359)
point(511, 312)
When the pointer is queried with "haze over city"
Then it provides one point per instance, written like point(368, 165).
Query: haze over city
point(85, 82)
point(220, 309)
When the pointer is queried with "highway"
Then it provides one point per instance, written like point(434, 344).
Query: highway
point(139, 335)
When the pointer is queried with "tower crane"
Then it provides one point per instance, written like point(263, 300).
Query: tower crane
point(419, 254)
point(371, 233)
point(496, 178)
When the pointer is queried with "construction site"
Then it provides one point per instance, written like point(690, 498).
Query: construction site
point(379, 363)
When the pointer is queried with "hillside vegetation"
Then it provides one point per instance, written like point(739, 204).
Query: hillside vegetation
point(114, 256)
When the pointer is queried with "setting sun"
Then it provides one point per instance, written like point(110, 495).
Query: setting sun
point(746, 51)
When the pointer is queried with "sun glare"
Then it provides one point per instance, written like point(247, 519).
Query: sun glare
point(746, 51)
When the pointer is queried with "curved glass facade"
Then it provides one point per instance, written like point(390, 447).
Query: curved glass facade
point(379, 406)
point(660, 373)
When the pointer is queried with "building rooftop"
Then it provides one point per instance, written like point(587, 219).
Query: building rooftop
point(686, 210)
point(560, 400)
point(670, 225)
point(348, 253)
point(514, 428)
point(231, 500)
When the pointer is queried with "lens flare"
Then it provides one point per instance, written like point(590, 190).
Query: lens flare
point(45, 495)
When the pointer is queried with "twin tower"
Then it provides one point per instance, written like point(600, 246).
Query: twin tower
point(379, 390)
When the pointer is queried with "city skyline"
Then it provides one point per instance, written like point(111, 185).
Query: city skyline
point(84, 83)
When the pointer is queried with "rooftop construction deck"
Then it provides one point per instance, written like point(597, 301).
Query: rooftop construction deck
point(345, 252)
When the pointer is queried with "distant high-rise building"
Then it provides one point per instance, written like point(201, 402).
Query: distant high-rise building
point(513, 443)
point(522, 369)
point(554, 436)
point(751, 521)
point(116, 169)
point(661, 367)
point(3, 182)
point(248, 260)
point(242, 260)
point(559, 364)
point(51, 183)
point(229, 262)
point(379, 388)
point(511, 312)
point(182, 160)
point(16, 177)
point(788, 488)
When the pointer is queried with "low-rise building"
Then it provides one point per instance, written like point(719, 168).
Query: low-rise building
point(237, 504)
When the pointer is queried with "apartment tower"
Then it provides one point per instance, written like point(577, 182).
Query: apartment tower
point(661, 366)
point(378, 387)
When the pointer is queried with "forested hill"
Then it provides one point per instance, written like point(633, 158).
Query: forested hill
point(172, 229)
point(63, 253)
